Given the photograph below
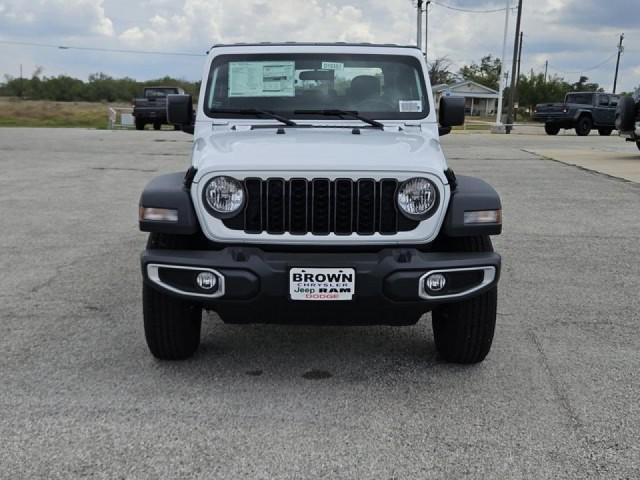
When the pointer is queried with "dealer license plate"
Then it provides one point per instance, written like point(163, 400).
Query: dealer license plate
point(322, 284)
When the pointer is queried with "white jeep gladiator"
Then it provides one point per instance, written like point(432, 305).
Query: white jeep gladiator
point(319, 193)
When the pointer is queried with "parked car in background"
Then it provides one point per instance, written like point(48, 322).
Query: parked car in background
point(582, 111)
point(152, 106)
point(628, 118)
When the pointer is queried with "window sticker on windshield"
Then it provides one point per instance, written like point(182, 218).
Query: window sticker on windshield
point(332, 66)
point(261, 79)
point(413, 106)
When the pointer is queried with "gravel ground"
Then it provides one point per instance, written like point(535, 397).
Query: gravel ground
point(80, 396)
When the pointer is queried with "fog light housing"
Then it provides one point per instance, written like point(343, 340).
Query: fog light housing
point(158, 214)
point(207, 280)
point(480, 217)
point(435, 282)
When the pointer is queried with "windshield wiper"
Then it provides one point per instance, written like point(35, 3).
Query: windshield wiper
point(342, 113)
point(253, 111)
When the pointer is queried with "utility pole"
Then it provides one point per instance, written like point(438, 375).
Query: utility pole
point(512, 89)
point(519, 57)
point(21, 88)
point(546, 67)
point(515, 113)
point(620, 50)
point(426, 29)
point(419, 25)
point(504, 54)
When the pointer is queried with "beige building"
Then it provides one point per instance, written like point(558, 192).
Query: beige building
point(479, 100)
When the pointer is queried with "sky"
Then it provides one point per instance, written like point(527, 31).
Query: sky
point(573, 35)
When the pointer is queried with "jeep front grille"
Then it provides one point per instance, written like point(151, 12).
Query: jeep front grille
point(321, 206)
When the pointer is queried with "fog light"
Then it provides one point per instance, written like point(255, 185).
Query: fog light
point(435, 282)
point(207, 280)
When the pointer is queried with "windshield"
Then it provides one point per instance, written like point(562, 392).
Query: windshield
point(376, 86)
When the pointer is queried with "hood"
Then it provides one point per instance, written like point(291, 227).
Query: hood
point(319, 149)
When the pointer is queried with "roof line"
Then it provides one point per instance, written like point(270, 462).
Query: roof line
point(312, 44)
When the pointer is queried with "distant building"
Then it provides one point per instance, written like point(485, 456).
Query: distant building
point(479, 100)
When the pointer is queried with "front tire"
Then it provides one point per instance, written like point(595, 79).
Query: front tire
point(171, 326)
point(157, 126)
point(638, 145)
point(584, 126)
point(605, 132)
point(551, 129)
point(139, 124)
point(463, 331)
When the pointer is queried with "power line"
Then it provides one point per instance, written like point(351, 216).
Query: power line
point(595, 67)
point(466, 10)
point(98, 49)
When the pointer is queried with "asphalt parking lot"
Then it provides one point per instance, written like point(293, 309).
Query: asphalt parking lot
point(80, 396)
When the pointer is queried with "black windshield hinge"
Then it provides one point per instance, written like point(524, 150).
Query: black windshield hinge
point(451, 177)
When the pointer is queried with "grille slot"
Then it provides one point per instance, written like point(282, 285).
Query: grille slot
point(388, 211)
point(321, 206)
point(366, 207)
point(253, 209)
point(298, 194)
point(276, 213)
point(343, 207)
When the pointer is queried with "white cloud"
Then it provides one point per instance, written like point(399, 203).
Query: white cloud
point(54, 17)
point(554, 30)
point(205, 22)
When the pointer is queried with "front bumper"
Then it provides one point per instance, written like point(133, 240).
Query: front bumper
point(389, 286)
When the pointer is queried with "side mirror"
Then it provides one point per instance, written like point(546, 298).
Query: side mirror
point(451, 113)
point(180, 110)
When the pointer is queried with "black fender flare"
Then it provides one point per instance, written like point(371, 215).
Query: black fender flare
point(169, 191)
point(471, 194)
point(581, 112)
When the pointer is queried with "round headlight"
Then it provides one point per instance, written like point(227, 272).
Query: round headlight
point(224, 196)
point(417, 198)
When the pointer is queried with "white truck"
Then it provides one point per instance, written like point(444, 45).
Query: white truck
point(319, 193)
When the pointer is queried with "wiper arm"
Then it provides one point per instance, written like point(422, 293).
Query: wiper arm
point(253, 111)
point(342, 113)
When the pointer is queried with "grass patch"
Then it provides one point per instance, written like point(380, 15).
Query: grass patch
point(42, 113)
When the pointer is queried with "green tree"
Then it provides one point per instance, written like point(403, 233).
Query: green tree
point(583, 85)
point(534, 89)
point(486, 73)
point(440, 71)
point(99, 87)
